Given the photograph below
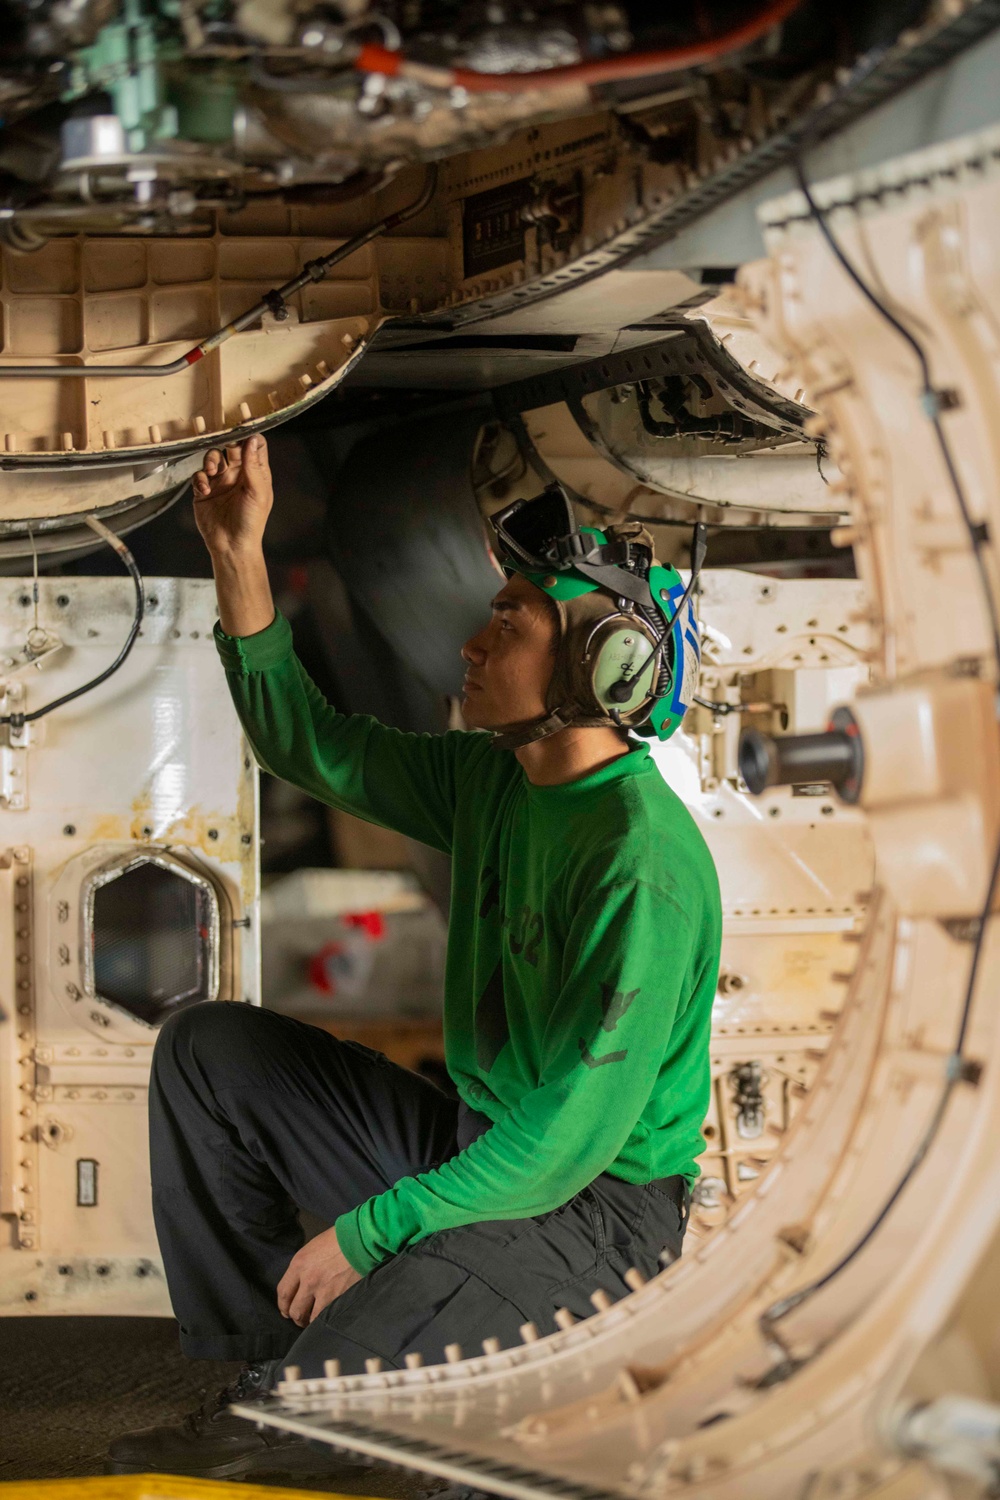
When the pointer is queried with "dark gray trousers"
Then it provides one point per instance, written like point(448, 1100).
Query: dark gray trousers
point(254, 1116)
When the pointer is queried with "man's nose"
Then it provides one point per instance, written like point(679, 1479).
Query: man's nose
point(473, 653)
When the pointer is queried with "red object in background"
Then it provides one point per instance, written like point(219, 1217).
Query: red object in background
point(335, 955)
point(372, 923)
point(319, 968)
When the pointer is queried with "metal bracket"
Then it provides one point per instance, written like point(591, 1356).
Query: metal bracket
point(14, 752)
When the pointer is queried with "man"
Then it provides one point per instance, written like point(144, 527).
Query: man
point(582, 965)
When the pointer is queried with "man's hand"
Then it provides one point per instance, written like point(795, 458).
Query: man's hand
point(233, 497)
point(318, 1274)
point(232, 501)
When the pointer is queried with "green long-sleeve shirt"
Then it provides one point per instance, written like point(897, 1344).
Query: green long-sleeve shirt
point(583, 950)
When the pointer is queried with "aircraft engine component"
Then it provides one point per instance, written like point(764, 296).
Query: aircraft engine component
point(128, 889)
point(834, 1335)
point(140, 114)
point(243, 146)
point(83, 301)
point(677, 427)
point(835, 755)
point(795, 868)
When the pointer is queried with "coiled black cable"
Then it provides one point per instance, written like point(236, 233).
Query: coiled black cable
point(18, 720)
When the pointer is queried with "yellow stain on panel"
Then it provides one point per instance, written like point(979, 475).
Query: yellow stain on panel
point(148, 1487)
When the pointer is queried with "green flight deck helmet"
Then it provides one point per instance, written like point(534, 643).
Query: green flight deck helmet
point(629, 653)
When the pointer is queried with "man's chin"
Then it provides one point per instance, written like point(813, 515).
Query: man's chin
point(477, 714)
point(470, 712)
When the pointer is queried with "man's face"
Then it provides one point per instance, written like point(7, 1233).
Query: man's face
point(509, 663)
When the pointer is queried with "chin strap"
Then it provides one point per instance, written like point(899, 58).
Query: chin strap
point(517, 735)
point(526, 734)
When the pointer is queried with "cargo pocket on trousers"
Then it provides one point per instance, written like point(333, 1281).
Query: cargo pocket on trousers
point(472, 1313)
point(414, 1302)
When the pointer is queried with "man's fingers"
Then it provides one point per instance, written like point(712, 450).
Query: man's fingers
point(287, 1287)
point(202, 485)
point(234, 455)
point(300, 1310)
point(255, 452)
point(213, 461)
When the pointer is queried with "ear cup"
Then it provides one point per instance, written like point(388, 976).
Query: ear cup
point(618, 653)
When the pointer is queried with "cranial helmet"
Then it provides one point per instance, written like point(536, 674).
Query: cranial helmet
point(628, 652)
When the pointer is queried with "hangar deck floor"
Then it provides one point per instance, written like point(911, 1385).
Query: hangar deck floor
point(69, 1385)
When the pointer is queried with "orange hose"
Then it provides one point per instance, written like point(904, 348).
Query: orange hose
point(372, 59)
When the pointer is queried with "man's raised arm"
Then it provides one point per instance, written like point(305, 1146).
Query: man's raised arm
point(408, 782)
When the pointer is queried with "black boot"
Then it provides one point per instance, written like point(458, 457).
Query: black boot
point(215, 1444)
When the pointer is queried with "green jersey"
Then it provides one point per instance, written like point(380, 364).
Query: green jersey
point(583, 950)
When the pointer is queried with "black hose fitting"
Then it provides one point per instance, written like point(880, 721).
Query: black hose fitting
point(835, 755)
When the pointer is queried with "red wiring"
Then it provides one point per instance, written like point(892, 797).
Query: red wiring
point(372, 59)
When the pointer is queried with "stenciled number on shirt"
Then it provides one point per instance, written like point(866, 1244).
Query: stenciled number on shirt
point(614, 1004)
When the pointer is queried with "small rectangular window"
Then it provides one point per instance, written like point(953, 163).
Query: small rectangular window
point(86, 1183)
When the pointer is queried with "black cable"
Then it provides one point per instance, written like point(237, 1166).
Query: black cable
point(958, 1068)
point(717, 708)
point(17, 720)
point(699, 546)
point(932, 399)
